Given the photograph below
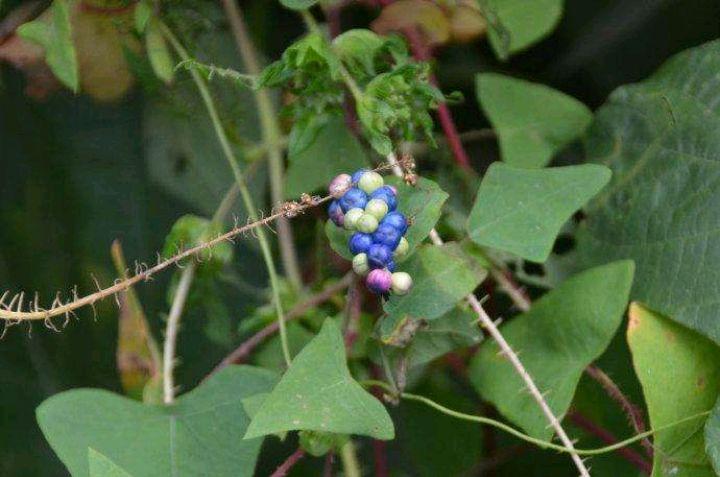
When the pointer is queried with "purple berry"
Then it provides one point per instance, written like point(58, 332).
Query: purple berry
point(353, 199)
point(359, 243)
point(339, 185)
point(378, 255)
point(391, 265)
point(388, 235)
point(379, 281)
point(336, 213)
point(357, 175)
point(386, 194)
point(397, 220)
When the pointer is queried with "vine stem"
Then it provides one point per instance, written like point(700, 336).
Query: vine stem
point(271, 136)
point(244, 192)
point(489, 325)
point(171, 332)
point(285, 467)
point(348, 456)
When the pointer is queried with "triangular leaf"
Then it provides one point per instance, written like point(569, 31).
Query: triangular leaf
point(317, 393)
point(517, 24)
point(101, 466)
point(521, 210)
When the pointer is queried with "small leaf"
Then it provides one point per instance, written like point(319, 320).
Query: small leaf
point(565, 330)
point(358, 48)
point(317, 393)
point(190, 231)
point(298, 4)
point(199, 435)
point(101, 466)
point(158, 53)
point(332, 151)
point(53, 31)
point(679, 371)
point(442, 276)
point(533, 122)
point(521, 210)
point(143, 13)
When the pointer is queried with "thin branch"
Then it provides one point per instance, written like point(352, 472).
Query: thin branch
point(348, 456)
point(271, 135)
point(489, 325)
point(171, 331)
point(285, 467)
point(511, 288)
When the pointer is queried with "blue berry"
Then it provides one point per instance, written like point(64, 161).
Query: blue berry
point(353, 199)
point(395, 219)
point(391, 265)
point(378, 255)
point(360, 243)
point(386, 194)
point(357, 175)
point(336, 213)
point(388, 235)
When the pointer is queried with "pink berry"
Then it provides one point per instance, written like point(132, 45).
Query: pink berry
point(379, 281)
point(340, 185)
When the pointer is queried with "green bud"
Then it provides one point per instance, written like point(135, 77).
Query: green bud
point(360, 264)
point(377, 208)
point(366, 223)
point(351, 218)
point(401, 283)
point(370, 181)
point(401, 250)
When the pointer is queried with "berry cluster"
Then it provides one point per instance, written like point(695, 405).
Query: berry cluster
point(364, 205)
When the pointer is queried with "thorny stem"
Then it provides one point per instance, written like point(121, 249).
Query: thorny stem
point(488, 324)
point(171, 331)
point(271, 136)
point(285, 467)
point(244, 192)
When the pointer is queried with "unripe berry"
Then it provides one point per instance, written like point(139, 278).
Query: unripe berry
point(353, 199)
point(339, 185)
point(377, 208)
point(367, 223)
point(402, 249)
point(359, 243)
point(401, 283)
point(386, 235)
point(351, 218)
point(396, 219)
point(370, 181)
point(378, 255)
point(336, 213)
point(357, 175)
point(379, 281)
point(386, 193)
point(360, 264)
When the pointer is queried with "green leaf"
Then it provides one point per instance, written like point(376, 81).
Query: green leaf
point(517, 24)
point(522, 210)
point(190, 231)
point(442, 276)
point(662, 207)
point(298, 4)
point(330, 151)
point(199, 435)
point(338, 239)
point(533, 122)
point(679, 371)
point(54, 33)
point(317, 393)
point(101, 466)
point(358, 48)
point(565, 330)
point(158, 52)
point(712, 437)
point(142, 15)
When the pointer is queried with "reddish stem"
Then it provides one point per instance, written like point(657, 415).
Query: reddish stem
point(283, 469)
point(421, 52)
point(328, 467)
point(380, 455)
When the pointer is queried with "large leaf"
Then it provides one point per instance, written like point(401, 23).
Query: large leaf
point(517, 24)
point(317, 393)
point(533, 122)
point(442, 276)
point(712, 437)
point(680, 375)
point(565, 330)
point(199, 435)
point(333, 150)
point(53, 31)
point(101, 466)
point(662, 207)
point(521, 210)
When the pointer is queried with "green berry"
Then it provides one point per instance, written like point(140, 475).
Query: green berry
point(351, 218)
point(366, 223)
point(377, 208)
point(401, 283)
point(402, 249)
point(360, 264)
point(370, 181)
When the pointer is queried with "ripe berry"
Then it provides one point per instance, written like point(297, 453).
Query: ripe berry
point(360, 264)
point(396, 219)
point(353, 199)
point(386, 234)
point(357, 175)
point(351, 218)
point(386, 194)
point(401, 283)
point(370, 181)
point(377, 208)
point(359, 243)
point(367, 223)
point(379, 281)
point(339, 185)
point(336, 213)
point(391, 265)
point(378, 255)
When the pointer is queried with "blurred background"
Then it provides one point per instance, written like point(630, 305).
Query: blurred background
point(127, 157)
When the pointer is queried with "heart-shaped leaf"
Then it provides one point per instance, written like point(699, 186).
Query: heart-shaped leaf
point(199, 435)
point(101, 466)
point(317, 393)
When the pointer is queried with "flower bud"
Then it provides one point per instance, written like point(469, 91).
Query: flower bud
point(401, 283)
